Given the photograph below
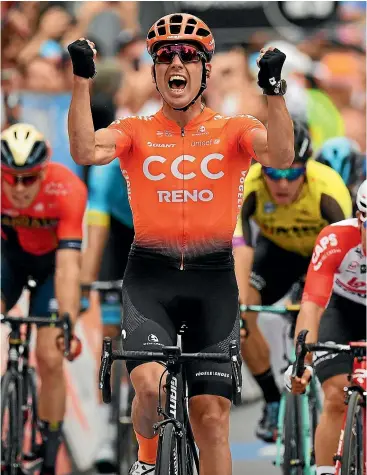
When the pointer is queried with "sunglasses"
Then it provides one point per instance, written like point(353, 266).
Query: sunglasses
point(290, 174)
point(186, 53)
point(25, 180)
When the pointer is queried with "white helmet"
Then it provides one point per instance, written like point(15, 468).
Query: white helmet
point(362, 200)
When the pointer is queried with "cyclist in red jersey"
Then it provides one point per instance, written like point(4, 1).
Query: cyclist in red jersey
point(185, 168)
point(42, 208)
point(334, 309)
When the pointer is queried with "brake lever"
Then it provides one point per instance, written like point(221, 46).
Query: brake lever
point(105, 370)
point(236, 363)
point(301, 351)
point(66, 326)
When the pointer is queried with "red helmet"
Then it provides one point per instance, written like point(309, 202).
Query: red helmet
point(181, 27)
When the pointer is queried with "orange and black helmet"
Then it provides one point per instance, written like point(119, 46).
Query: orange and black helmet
point(181, 27)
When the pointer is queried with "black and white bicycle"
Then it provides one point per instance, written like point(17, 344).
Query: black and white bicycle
point(177, 453)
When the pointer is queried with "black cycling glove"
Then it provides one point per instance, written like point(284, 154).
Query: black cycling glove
point(269, 77)
point(82, 58)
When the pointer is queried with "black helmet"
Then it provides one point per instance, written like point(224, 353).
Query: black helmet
point(302, 141)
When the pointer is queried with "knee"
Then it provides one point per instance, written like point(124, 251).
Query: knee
point(146, 385)
point(210, 419)
point(334, 399)
point(49, 359)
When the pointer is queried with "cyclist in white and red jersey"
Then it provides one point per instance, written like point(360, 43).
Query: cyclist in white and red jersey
point(184, 168)
point(334, 309)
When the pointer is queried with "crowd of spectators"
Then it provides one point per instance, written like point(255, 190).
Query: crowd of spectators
point(35, 36)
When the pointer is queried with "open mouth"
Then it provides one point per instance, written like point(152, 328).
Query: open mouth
point(177, 82)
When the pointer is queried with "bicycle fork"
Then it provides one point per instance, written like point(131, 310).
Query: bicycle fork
point(307, 461)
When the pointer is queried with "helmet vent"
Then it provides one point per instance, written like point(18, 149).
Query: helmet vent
point(27, 135)
point(175, 29)
point(203, 32)
point(162, 30)
point(161, 22)
point(151, 34)
point(189, 29)
point(176, 19)
point(191, 21)
point(15, 134)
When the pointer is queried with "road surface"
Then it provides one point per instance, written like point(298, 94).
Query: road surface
point(250, 455)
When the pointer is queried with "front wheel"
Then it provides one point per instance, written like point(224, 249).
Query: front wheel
point(11, 424)
point(292, 440)
point(169, 455)
point(353, 448)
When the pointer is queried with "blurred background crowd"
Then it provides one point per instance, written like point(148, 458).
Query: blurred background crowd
point(325, 67)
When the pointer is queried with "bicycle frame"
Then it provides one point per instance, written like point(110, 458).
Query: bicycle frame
point(358, 380)
point(311, 392)
point(176, 410)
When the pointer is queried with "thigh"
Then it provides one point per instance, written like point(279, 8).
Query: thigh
point(275, 270)
point(343, 321)
point(212, 316)
point(43, 302)
point(13, 279)
point(146, 325)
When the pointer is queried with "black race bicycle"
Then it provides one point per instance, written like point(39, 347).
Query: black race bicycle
point(177, 453)
point(19, 393)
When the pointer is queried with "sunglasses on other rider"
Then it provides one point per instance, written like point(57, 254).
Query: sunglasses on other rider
point(290, 174)
point(25, 180)
point(186, 53)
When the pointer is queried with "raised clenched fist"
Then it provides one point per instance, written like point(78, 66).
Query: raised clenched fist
point(83, 53)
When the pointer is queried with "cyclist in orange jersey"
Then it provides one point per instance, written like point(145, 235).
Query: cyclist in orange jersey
point(184, 167)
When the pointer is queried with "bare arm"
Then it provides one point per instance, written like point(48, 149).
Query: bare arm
point(242, 251)
point(309, 318)
point(86, 146)
point(92, 255)
point(243, 260)
point(276, 147)
point(67, 281)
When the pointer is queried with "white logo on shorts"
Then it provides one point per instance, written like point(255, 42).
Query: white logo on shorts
point(153, 338)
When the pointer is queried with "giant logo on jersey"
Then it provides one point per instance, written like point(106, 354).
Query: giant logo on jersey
point(175, 169)
point(323, 249)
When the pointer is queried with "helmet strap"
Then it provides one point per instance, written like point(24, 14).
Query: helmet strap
point(201, 90)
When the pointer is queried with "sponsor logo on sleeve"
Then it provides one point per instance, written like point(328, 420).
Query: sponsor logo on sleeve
point(324, 248)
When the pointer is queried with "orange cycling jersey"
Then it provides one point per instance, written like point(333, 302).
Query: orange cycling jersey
point(185, 185)
point(53, 220)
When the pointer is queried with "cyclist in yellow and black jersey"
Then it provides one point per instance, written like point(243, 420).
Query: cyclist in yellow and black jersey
point(289, 209)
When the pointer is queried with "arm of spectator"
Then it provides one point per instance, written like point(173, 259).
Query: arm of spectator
point(129, 14)
point(53, 24)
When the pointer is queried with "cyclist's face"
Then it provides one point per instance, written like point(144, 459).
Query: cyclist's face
point(21, 195)
point(285, 192)
point(178, 93)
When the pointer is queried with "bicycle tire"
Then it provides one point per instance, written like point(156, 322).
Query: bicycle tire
point(32, 413)
point(353, 438)
point(293, 447)
point(314, 421)
point(127, 446)
point(10, 451)
point(168, 453)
